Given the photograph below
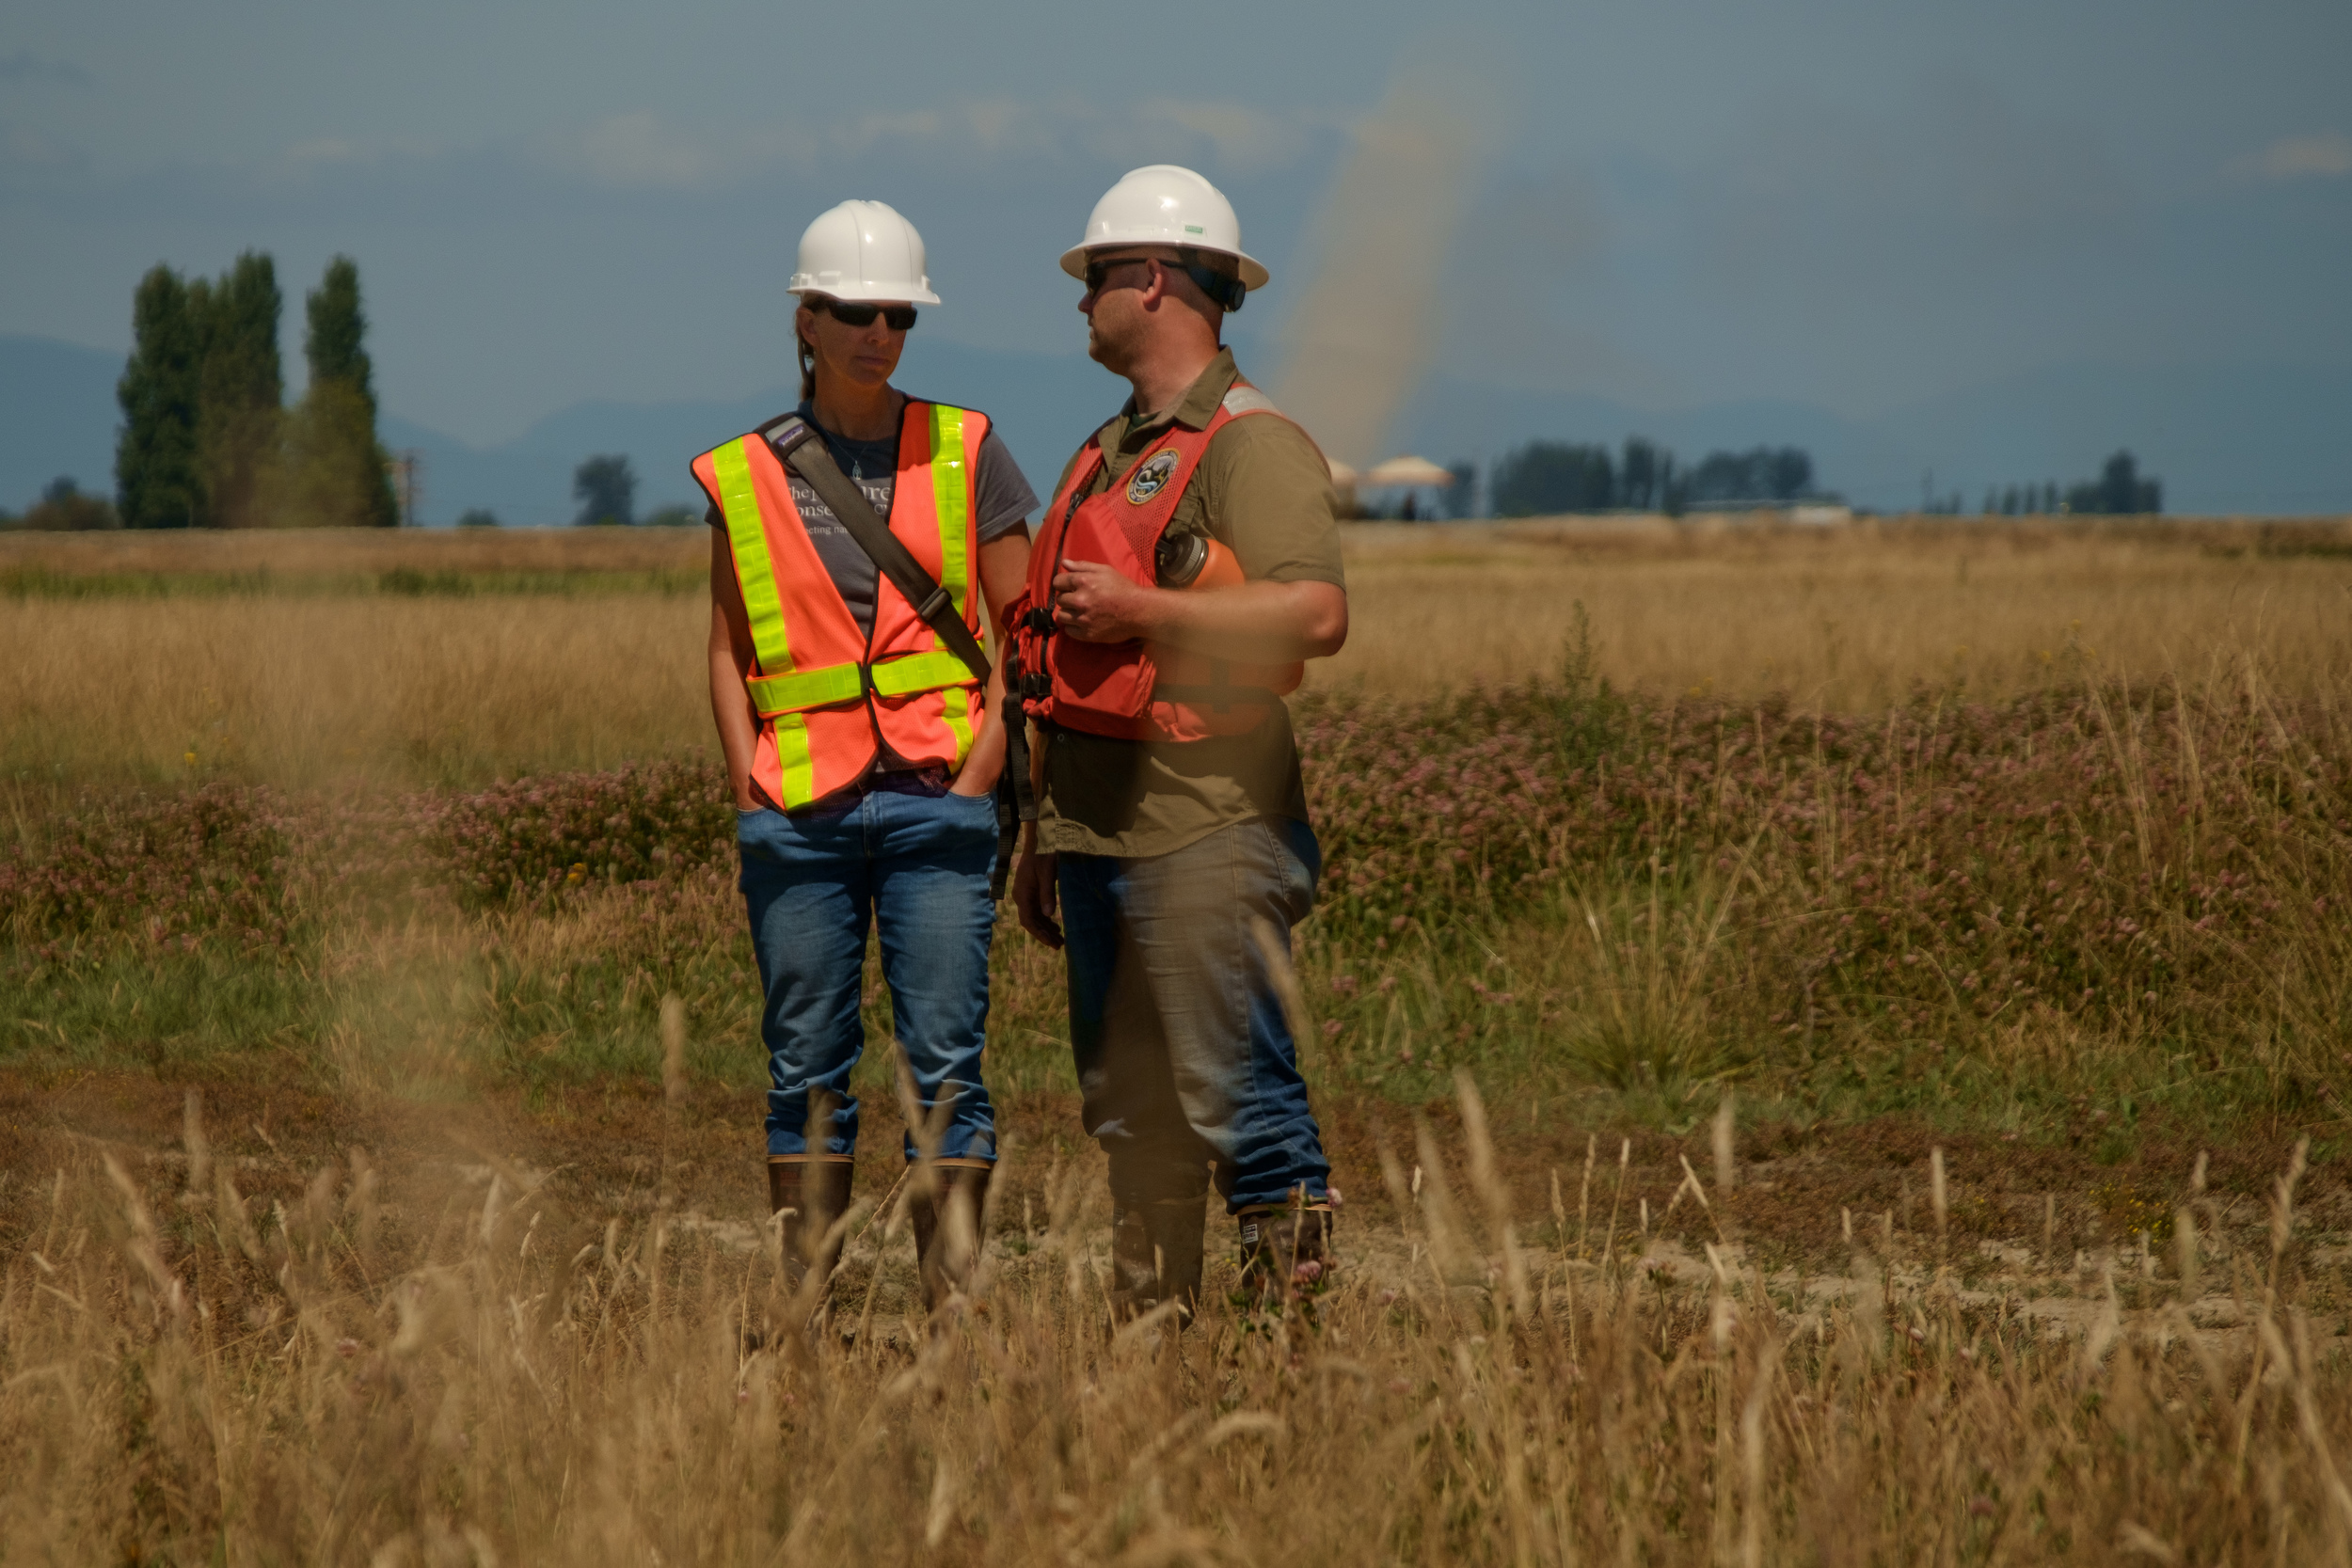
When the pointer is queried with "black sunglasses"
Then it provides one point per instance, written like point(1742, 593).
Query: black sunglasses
point(899, 318)
point(1097, 272)
point(1222, 290)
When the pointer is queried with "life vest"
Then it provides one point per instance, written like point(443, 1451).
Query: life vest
point(829, 697)
point(1135, 690)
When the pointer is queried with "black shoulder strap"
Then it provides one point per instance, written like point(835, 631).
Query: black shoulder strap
point(798, 444)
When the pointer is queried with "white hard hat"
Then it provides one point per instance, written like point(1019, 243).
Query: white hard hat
point(1164, 205)
point(863, 250)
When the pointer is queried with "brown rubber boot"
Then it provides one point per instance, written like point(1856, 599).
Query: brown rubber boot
point(948, 1237)
point(811, 1190)
point(1285, 1251)
point(1155, 1256)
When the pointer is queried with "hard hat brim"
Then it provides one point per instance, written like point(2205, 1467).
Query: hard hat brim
point(858, 294)
point(1253, 273)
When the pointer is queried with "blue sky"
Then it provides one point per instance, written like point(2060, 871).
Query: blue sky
point(1860, 207)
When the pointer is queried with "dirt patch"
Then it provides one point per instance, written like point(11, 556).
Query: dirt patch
point(1801, 1198)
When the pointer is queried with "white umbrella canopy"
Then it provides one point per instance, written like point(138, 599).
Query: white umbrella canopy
point(1342, 476)
point(1414, 472)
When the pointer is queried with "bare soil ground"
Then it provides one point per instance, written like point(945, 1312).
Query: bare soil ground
point(2061, 1229)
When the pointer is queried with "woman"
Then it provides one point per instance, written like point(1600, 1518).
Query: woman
point(863, 755)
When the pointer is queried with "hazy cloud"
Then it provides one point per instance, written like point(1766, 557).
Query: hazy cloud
point(28, 69)
point(641, 150)
point(29, 158)
point(1245, 140)
point(2325, 156)
point(636, 149)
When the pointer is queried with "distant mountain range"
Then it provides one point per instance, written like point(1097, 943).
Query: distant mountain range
point(2224, 439)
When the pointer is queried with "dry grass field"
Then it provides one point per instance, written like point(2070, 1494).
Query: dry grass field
point(1804, 1092)
point(313, 658)
point(1850, 620)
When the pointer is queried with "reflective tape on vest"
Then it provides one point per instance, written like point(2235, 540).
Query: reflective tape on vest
point(739, 503)
point(951, 496)
point(845, 683)
point(900, 677)
point(804, 690)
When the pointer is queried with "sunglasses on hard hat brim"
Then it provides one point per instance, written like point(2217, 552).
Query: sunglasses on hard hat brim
point(1223, 289)
point(899, 318)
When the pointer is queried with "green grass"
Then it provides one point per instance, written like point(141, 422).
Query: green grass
point(174, 1011)
point(2075, 917)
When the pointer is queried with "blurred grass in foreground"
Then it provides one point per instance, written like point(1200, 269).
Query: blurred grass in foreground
point(479, 1362)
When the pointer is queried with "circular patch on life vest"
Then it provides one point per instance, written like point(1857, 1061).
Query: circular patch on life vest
point(1151, 476)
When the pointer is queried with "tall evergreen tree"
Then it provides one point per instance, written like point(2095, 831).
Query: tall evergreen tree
point(1545, 477)
point(243, 386)
point(606, 489)
point(158, 480)
point(336, 345)
point(1636, 473)
point(338, 474)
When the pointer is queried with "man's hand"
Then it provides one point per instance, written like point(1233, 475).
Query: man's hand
point(1095, 603)
point(1262, 621)
point(1037, 895)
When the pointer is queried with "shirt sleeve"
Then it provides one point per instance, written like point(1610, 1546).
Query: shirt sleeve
point(1003, 499)
point(1266, 494)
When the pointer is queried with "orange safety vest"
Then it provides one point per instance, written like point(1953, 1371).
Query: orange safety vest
point(1135, 690)
point(829, 697)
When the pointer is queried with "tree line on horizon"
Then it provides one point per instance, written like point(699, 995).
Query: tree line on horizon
point(207, 440)
point(2119, 491)
point(1550, 478)
point(1545, 477)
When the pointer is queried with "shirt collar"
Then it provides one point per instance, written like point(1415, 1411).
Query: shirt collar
point(1194, 410)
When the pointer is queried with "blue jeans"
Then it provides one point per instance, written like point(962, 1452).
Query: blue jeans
point(1183, 1053)
point(916, 865)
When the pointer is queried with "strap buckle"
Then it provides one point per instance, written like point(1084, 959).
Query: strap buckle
point(788, 434)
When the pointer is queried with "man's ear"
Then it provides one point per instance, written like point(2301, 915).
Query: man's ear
point(1162, 284)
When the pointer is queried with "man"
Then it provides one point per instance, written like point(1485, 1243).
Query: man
point(1173, 838)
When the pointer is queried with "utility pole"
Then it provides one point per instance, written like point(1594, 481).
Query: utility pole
point(408, 482)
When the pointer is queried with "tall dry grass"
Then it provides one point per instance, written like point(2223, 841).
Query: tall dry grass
point(310, 674)
point(319, 690)
point(1844, 620)
point(294, 554)
point(466, 1366)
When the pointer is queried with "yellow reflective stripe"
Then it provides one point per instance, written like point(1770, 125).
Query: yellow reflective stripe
point(792, 757)
point(840, 683)
point(740, 503)
point(920, 672)
point(956, 707)
point(951, 494)
point(805, 689)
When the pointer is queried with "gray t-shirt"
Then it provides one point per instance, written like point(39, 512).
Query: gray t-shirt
point(1001, 500)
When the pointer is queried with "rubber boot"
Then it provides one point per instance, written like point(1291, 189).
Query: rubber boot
point(1285, 1251)
point(948, 1237)
point(811, 1192)
point(1155, 1256)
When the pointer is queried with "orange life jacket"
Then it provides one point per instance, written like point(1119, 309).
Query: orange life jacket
point(1135, 690)
point(828, 696)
